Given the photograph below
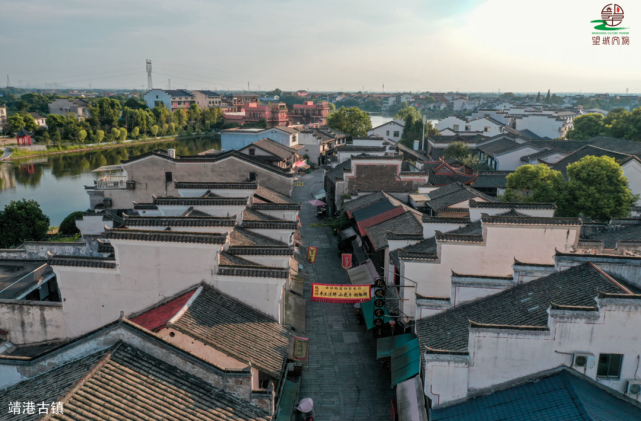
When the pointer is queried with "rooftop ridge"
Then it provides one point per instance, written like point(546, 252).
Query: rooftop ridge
point(530, 220)
point(165, 236)
point(515, 205)
point(250, 185)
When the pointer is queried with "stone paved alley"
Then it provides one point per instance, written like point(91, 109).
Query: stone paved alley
point(344, 378)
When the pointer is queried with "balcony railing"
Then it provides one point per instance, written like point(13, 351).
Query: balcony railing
point(112, 182)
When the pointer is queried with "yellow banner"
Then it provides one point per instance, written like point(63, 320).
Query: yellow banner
point(299, 183)
point(328, 293)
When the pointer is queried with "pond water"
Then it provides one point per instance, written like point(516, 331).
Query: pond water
point(57, 181)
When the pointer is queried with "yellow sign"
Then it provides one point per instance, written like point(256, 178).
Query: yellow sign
point(299, 183)
point(311, 254)
point(328, 293)
point(298, 348)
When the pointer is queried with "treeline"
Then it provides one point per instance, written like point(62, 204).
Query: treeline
point(619, 123)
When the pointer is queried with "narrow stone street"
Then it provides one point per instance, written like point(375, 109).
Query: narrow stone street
point(343, 378)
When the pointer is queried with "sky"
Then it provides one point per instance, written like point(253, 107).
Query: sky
point(330, 45)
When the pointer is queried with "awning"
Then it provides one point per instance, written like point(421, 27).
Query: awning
point(289, 399)
point(295, 311)
point(363, 274)
point(384, 346)
point(406, 362)
point(368, 313)
point(358, 251)
point(320, 194)
point(410, 400)
point(108, 168)
point(348, 233)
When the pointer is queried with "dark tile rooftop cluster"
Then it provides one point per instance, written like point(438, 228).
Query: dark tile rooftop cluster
point(562, 395)
point(461, 238)
point(274, 148)
point(200, 201)
point(445, 179)
point(261, 251)
point(241, 237)
point(529, 220)
point(523, 305)
point(611, 236)
point(145, 206)
point(510, 205)
point(83, 262)
point(445, 220)
point(251, 185)
point(276, 206)
point(272, 196)
point(454, 193)
point(363, 201)
point(491, 179)
point(406, 223)
point(179, 221)
point(166, 236)
point(237, 330)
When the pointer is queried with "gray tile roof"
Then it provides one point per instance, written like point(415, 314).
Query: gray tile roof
point(454, 193)
point(261, 251)
point(427, 249)
point(362, 201)
point(83, 262)
point(406, 223)
point(529, 220)
point(166, 236)
point(145, 206)
point(500, 146)
point(563, 146)
point(273, 147)
point(611, 236)
point(614, 144)
point(561, 394)
point(511, 205)
point(240, 237)
point(272, 196)
point(523, 305)
point(435, 179)
point(359, 148)
point(254, 215)
point(460, 238)
point(179, 221)
point(201, 201)
point(336, 173)
point(213, 185)
point(445, 220)
point(237, 330)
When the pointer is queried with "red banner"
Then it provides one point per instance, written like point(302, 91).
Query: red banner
point(347, 260)
point(311, 254)
point(330, 293)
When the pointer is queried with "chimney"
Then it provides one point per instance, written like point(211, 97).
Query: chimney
point(416, 145)
point(171, 153)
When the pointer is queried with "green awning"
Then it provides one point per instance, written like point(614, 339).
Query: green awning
point(384, 346)
point(289, 399)
point(406, 362)
point(368, 313)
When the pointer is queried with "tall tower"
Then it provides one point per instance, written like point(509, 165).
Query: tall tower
point(150, 84)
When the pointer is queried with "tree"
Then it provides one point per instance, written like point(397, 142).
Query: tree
point(597, 189)
point(99, 136)
point(586, 127)
point(457, 150)
point(403, 113)
point(135, 133)
point(21, 221)
point(332, 107)
point(627, 125)
point(430, 100)
point(154, 130)
point(106, 112)
point(68, 225)
point(534, 183)
point(135, 104)
point(15, 123)
point(538, 97)
point(82, 134)
point(352, 121)
point(123, 134)
point(194, 113)
point(547, 97)
point(115, 134)
point(180, 118)
point(55, 122)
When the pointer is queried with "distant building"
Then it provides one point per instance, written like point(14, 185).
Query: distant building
point(62, 106)
point(174, 99)
point(392, 130)
point(238, 138)
point(274, 114)
point(273, 152)
point(40, 120)
point(310, 113)
point(3, 118)
point(207, 99)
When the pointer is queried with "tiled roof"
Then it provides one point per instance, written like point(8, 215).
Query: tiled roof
point(145, 206)
point(200, 201)
point(511, 205)
point(561, 394)
point(166, 236)
point(630, 147)
point(500, 146)
point(373, 209)
point(610, 237)
point(589, 150)
point(158, 317)
point(83, 262)
point(454, 193)
point(253, 272)
point(427, 249)
point(529, 220)
point(444, 220)
point(405, 223)
point(253, 215)
point(523, 305)
point(359, 148)
point(273, 196)
point(460, 238)
point(212, 185)
point(271, 225)
point(179, 221)
point(437, 179)
point(226, 259)
point(562, 146)
point(237, 330)
point(336, 173)
point(276, 206)
point(240, 237)
point(362, 201)
point(376, 157)
point(274, 148)
point(104, 247)
point(261, 251)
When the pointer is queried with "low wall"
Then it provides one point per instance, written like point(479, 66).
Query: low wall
point(31, 321)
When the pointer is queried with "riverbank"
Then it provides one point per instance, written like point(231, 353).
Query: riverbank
point(35, 154)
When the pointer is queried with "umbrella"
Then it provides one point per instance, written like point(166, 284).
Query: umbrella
point(317, 202)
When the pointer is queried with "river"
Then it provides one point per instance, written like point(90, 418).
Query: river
point(57, 182)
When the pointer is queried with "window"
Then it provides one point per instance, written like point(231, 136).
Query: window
point(455, 127)
point(168, 177)
point(387, 133)
point(396, 134)
point(252, 152)
point(468, 128)
point(609, 365)
point(486, 128)
point(252, 176)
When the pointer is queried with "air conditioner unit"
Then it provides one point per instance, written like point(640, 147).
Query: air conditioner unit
point(633, 388)
point(583, 360)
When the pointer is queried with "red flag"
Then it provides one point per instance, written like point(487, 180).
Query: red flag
point(347, 260)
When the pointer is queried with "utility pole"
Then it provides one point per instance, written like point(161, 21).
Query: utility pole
point(150, 84)
point(168, 83)
point(8, 81)
point(424, 120)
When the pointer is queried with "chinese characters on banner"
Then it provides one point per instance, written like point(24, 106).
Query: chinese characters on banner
point(311, 254)
point(31, 408)
point(347, 260)
point(328, 293)
point(298, 348)
point(610, 40)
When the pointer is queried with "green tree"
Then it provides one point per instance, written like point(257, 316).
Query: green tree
point(627, 125)
point(82, 134)
point(154, 130)
point(105, 112)
point(194, 113)
point(457, 150)
point(352, 121)
point(548, 99)
point(597, 189)
point(332, 107)
point(586, 127)
point(538, 97)
point(15, 123)
point(534, 183)
point(180, 118)
point(123, 134)
point(21, 221)
point(99, 136)
point(68, 225)
point(135, 104)
point(55, 122)
point(135, 132)
point(115, 134)
point(403, 113)
point(614, 115)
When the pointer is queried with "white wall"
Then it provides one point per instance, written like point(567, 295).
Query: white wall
point(263, 294)
point(541, 125)
point(481, 124)
point(32, 321)
point(449, 122)
point(632, 171)
point(157, 95)
point(387, 131)
point(93, 224)
point(510, 161)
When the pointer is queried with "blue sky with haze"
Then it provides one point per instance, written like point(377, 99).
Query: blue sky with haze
point(469, 45)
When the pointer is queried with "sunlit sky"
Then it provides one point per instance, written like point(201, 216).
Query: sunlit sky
point(331, 45)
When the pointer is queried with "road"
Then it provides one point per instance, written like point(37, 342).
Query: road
point(343, 378)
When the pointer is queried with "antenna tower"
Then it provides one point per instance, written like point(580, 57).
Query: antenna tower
point(150, 84)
